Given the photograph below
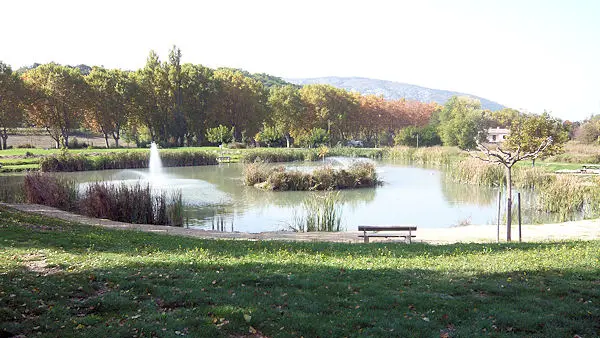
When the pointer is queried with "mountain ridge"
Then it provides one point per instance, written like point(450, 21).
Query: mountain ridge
point(392, 90)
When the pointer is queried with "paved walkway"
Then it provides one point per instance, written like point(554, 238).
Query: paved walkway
point(584, 230)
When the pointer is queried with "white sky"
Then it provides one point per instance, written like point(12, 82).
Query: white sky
point(528, 54)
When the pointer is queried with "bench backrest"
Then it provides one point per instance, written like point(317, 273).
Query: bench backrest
point(386, 228)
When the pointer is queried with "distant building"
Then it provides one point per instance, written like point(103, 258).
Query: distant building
point(497, 135)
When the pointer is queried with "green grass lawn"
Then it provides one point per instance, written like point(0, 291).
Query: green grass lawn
point(61, 279)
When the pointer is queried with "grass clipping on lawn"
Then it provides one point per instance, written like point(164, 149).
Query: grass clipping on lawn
point(63, 279)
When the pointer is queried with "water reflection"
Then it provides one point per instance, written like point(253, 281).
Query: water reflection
point(217, 199)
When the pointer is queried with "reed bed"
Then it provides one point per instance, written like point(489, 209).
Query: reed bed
point(357, 175)
point(426, 155)
point(123, 160)
point(474, 171)
point(568, 195)
point(273, 155)
point(12, 189)
point(319, 213)
point(561, 195)
point(50, 190)
point(125, 203)
point(576, 152)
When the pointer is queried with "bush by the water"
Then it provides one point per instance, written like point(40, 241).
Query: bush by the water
point(357, 175)
point(123, 160)
point(133, 204)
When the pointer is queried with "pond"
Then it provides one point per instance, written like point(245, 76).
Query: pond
point(215, 197)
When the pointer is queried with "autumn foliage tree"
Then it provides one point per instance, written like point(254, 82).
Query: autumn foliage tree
point(241, 102)
point(12, 95)
point(57, 101)
point(109, 102)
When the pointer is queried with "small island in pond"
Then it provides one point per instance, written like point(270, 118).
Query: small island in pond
point(359, 174)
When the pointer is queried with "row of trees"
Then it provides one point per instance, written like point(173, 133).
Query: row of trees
point(175, 104)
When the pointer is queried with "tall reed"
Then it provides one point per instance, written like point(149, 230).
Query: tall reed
point(357, 175)
point(131, 203)
point(12, 189)
point(319, 213)
point(50, 190)
point(123, 160)
point(426, 155)
point(569, 195)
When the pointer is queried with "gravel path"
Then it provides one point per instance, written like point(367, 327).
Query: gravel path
point(583, 230)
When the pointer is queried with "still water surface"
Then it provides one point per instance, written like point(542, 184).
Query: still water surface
point(409, 195)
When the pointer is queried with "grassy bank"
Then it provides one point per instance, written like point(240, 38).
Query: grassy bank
point(63, 279)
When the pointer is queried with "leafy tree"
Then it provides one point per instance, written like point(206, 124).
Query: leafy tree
point(12, 93)
point(589, 131)
point(199, 93)
point(329, 108)
point(110, 101)
point(268, 135)
point(241, 102)
point(58, 99)
point(503, 118)
point(418, 137)
point(461, 122)
point(220, 134)
point(287, 110)
point(152, 101)
point(528, 131)
point(314, 138)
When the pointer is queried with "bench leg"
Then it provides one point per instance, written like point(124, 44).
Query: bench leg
point(409, 236)
point(366, 237)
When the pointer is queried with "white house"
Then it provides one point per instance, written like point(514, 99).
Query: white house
point(497, 135)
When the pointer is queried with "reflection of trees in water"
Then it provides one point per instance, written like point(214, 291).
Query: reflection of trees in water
point(228, 179)
point(467, 193)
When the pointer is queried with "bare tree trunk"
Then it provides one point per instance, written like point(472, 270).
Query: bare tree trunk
point(533, 163)
point(106, 140)
point(508, 203)
point(287, 139)
point(4, 135)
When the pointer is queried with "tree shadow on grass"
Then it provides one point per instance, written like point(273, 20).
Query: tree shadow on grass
point(211, 299)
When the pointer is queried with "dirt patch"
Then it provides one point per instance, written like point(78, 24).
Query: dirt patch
point(37, 263)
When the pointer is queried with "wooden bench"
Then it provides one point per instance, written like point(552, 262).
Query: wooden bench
point(373, 231)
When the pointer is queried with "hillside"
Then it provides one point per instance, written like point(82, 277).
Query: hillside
point(393, 90)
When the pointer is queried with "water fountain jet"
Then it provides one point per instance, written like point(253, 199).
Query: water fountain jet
point(155, 164)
